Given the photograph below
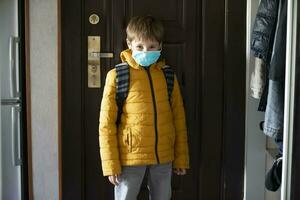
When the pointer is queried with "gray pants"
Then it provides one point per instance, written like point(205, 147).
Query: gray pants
point(159, 182)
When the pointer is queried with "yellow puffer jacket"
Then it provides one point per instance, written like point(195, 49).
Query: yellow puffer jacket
point(150, 131)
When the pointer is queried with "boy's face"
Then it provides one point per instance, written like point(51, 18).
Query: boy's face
point(143, 45)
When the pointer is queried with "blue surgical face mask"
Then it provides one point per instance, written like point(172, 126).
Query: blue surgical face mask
point(145, 58)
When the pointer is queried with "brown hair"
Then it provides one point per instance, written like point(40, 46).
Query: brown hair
point(146, 27)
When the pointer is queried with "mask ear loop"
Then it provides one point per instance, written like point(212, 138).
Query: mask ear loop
point(128, 44)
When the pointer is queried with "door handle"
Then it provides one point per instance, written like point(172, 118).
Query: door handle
point(106, 55)
point(98, 55)
point(14, 67)
point(16, 135)
point(94, 56)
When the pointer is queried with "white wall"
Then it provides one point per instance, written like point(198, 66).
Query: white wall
point(255, 139)
point(258, 160)
point(44, 98)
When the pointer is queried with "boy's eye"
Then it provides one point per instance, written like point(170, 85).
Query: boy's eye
point(139, 47)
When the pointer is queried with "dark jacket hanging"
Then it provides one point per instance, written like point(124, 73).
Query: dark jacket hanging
point(268, 41)
point(277, 64)
point(264, 29)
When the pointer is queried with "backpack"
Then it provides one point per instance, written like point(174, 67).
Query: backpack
point(122, 84)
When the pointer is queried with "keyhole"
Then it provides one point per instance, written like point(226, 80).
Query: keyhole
point(94, 19)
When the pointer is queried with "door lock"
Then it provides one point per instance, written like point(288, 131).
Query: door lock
point(94, 56)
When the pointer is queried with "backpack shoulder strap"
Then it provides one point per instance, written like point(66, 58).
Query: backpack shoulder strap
point(169, 75)
point(122, 86)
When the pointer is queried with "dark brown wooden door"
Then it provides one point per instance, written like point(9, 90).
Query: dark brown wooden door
point(180, 48)
point(205, 43)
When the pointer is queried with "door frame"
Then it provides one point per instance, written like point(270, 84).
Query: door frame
point(295, 175)
point(223, 55)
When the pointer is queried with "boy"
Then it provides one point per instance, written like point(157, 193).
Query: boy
point(150, 133)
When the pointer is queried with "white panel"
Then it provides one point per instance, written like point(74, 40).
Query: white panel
point(44, 96)
point(9, 24)
point(255, 154)
point(11, 173)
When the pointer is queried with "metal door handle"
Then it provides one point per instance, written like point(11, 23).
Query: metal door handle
point(16, 136)
point(106, 55)
point(97, 55)
point(94, 56)
point(14, 67)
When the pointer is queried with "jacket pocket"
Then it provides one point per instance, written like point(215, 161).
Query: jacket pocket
point(128, 140)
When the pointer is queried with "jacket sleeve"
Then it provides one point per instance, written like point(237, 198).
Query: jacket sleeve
point(264, 29)
point(181, 143)
point(258, 78)
point(108, 141)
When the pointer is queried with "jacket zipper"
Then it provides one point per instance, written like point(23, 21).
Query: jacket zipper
point(155, 113)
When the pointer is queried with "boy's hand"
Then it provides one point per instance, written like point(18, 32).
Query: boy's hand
point(114, 179)
point(179, 171)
